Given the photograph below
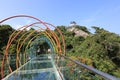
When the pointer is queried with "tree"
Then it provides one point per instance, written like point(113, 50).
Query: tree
point(5, 32)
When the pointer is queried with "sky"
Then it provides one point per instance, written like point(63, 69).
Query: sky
point(101, 13)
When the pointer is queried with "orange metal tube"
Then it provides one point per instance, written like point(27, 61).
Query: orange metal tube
point(14, 35)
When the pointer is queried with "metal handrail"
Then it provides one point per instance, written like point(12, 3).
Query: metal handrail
point(102, 74)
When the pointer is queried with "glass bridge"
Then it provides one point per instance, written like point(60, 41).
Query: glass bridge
point(43, 66)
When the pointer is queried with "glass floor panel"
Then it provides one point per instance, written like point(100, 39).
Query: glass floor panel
point(34, 76)
point(37, 65)
point(43, 58)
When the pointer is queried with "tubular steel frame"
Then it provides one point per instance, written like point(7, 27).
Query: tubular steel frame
point(54, 39)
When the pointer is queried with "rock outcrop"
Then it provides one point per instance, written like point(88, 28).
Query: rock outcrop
point(77, 31)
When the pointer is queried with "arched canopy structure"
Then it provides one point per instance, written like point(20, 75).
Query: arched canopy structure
point(27, 43)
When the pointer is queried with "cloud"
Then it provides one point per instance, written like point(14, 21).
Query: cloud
point(24, 22)
point(17, 26)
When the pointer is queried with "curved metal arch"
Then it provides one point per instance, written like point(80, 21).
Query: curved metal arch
point(11, 39)
point(9, 43)
point(17, 58)
point(44, 23)
point(45, 34)
point(44, 39)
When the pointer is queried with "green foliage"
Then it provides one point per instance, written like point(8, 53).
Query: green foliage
point(82, 28)
point(101, 49)
point(5, 31)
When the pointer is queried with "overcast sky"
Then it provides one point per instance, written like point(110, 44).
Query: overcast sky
point(101, 13)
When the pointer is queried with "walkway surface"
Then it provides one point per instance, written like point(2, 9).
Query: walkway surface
point(41, 67)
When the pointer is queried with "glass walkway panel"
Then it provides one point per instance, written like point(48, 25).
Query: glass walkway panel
point(39, 68)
